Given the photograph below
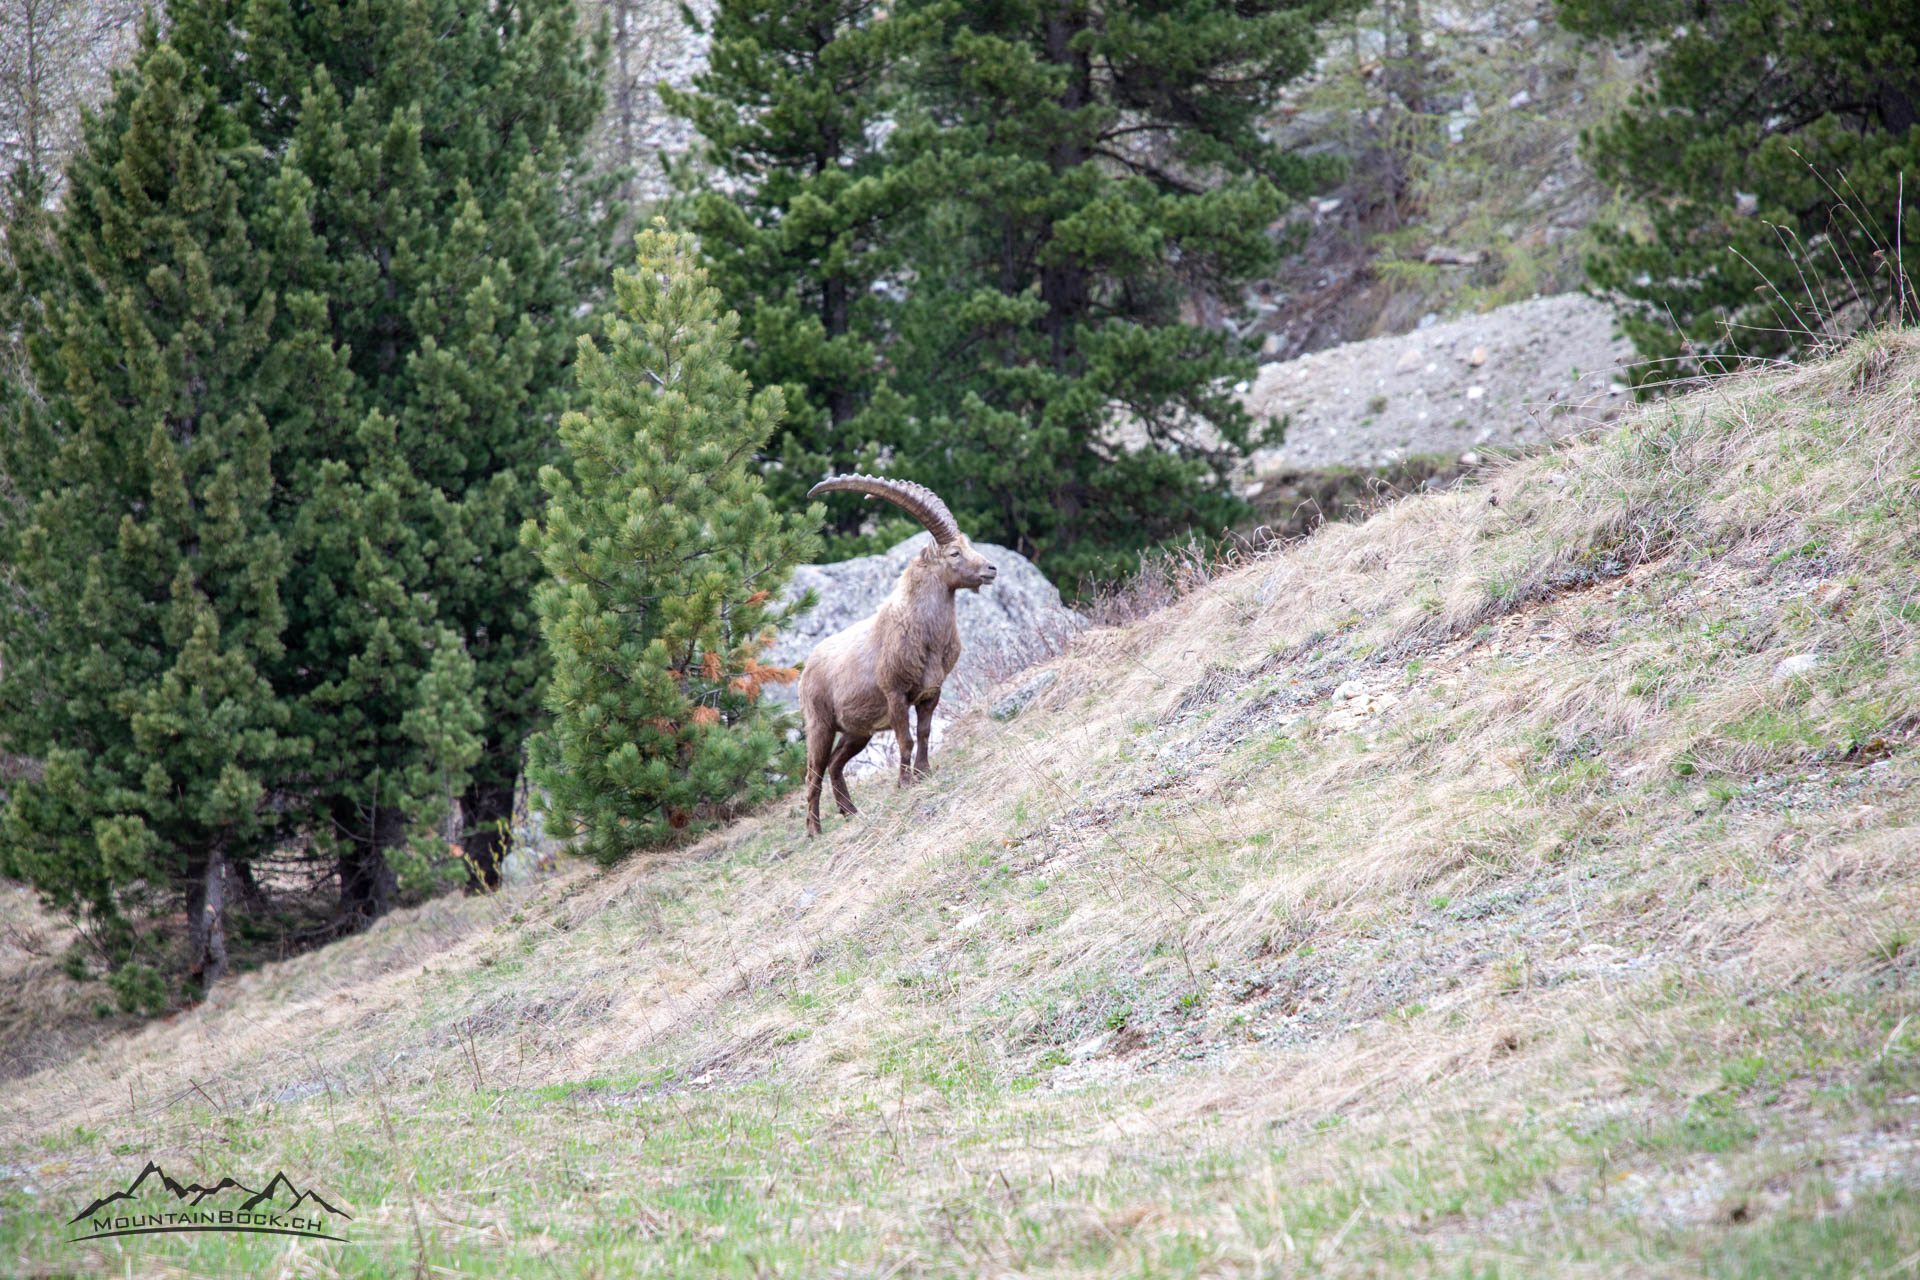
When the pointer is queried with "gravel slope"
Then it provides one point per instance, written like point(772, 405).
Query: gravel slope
point(1519, 374)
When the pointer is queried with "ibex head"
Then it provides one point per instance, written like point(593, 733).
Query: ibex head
point(951, 556)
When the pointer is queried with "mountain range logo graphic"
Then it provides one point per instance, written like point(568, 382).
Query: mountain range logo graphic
point(279, 1208)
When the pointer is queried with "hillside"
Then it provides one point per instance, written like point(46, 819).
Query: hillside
point(1519, 883)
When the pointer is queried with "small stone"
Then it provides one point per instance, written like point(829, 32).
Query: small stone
point(1088, 1047)
point(1474, 393)
point(1272, 345)
point(1478, 358)
point(1017, 701)
point(1429, 320)
point(1325, 207)
point(1254, 490)
point(1798, 665)
point(1746, 203)
point(1519, 100)
point(1469, 459)
point(521, 866)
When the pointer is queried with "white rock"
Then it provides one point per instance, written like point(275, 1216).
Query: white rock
point(1469, 459)
point(1017, 701)
point(1088, 1047)
point(1015, 621)
point(1519, 100)
point(1799, 664)
point(1474, 393)
point(522, 865)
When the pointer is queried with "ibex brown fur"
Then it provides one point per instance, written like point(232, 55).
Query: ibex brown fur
point(861, 681)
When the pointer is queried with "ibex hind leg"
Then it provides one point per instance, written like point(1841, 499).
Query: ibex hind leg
point(850, 746)
point(819, 749)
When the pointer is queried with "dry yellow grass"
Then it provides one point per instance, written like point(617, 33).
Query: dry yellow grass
point(1460, 891)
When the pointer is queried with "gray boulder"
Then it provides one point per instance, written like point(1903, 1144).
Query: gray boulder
point(1004, 628)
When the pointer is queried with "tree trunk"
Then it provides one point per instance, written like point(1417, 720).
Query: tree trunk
point(1895, 106)
point(246, 890)
point(1410, 77)
point(836, 318)
point(487, 810)
point(1064, 286)
point(367, 881)
point(206, 935)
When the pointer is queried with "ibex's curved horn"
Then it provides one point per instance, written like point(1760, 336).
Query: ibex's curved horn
point(918, 501)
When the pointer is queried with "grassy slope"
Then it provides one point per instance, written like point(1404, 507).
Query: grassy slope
point(1458, 893)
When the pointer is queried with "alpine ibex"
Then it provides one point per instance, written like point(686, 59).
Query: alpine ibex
point(862, 680)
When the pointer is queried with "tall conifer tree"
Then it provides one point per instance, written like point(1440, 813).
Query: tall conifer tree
point(1770, 155)
point(368, 226)
point(435, 149)
point(1037, 188)
point(142, 566)
point(795, 104)
point(664, 556)
point(1094, 166)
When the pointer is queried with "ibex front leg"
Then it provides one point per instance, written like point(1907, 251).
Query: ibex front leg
point(925, 710)
point(902, 735)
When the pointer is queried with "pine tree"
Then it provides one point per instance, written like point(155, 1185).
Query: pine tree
point(432, 199)
point(143, 570)
point(1768, 158)
point(793, 107)
point(663, 555)
point(408, 231)
point(1092, 168)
